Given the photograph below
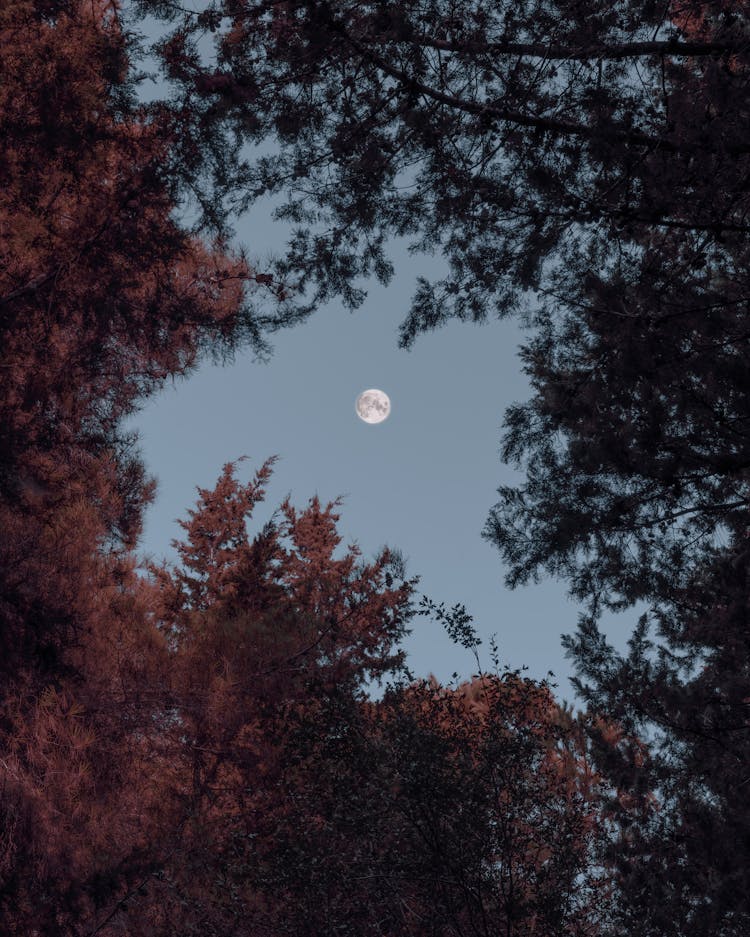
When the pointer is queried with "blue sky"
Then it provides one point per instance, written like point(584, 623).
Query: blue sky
point(422, 481)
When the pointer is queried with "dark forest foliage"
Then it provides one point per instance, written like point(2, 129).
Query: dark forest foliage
point(193, 751)
point(586, 166)
point(175, 751)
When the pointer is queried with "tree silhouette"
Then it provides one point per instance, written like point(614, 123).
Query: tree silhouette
point(686, 689)
point(534, 145)
point(438, 811)
point(591, 158)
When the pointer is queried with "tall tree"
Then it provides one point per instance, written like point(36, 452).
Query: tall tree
point(263, 633)
point(636, 457)
point(686, 687)
point(103, 295)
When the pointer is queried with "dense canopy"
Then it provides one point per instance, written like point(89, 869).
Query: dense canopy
point(166, 733)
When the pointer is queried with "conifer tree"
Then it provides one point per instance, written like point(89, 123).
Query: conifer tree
point(103, 296)
point(585, 165)
point(264, 632)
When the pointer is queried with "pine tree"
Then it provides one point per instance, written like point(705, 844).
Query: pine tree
point(264, 633)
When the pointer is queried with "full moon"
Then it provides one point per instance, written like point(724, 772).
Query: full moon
point(373, 406)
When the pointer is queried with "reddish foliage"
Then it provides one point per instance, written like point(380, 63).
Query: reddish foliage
point(102, 297)
point(163, 740)
point(699, 19)
point(261, 633)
